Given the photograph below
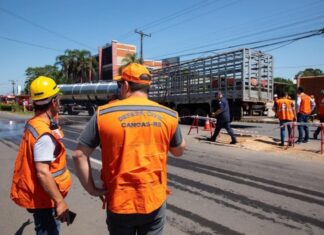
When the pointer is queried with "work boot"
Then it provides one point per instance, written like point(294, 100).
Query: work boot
point(281, 144)
point(233, 141)
point(211, 139)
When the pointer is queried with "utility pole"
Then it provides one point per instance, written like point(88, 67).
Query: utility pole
point(142, 36)
point(13, 83)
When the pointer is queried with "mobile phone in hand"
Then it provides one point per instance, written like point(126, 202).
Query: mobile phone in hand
point(72, 216)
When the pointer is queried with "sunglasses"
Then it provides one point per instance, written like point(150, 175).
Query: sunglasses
point(120, 83)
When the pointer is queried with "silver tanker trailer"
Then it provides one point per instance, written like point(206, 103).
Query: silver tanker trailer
point(86, 96)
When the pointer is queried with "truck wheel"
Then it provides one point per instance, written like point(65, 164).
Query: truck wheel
point(184, 112)
point(91, 110)
point(71, 112)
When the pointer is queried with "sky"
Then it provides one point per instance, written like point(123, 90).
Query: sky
point(34, 32)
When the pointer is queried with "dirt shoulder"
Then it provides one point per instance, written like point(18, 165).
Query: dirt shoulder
point(307, 151)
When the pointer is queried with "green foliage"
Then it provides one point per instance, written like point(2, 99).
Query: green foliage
point(283, 80)
point(77, 66)
point(74, 66)
point(48, 70)
point(128, 59)
point(284, 85)
point(11, 107)
point(309, 72)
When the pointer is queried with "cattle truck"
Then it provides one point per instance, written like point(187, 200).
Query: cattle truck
point(244, 76)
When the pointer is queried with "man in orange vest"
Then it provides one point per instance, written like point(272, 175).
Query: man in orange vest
point(285, 111)
point(135, 135)
point(304, 107)
point(41, 179)
point(320, 115)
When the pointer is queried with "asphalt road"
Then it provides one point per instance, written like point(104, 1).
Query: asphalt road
point(217, 188)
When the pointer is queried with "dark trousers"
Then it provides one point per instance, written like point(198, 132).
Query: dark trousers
point(318, 130)
point(131, 224)
point(45, 222)
point(222, 124)
point(302, 118)
point(282, 130)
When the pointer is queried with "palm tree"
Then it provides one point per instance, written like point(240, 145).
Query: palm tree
point(128, 59)
point(77, 66)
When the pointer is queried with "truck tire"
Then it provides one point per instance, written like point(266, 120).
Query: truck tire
point(91, 110)
point(71, 112)
point(237, 113)
point(184, 111)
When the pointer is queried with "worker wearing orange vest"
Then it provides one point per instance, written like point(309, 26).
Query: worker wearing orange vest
point(320, 115)
point(285, 111)
point(135, 135)
point(41, 179)
point(304, 107)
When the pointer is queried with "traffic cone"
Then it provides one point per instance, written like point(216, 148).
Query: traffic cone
point(207, 124)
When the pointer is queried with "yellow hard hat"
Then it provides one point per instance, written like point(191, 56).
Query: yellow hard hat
point(42, 89)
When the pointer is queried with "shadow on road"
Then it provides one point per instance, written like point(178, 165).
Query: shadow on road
point(23, 226)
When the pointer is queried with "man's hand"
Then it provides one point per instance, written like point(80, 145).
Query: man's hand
point(218, 111)
point(62, 211)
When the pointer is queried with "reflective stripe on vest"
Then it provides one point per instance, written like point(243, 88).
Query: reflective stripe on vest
point(32, 130)
point(137, 108)
point(35, 134)
point(59, 172)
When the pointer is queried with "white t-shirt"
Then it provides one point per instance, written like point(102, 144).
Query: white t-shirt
point(44, 149)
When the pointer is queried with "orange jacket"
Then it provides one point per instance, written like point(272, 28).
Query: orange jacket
point(285, 109)
point(305, 104)
point(135, 135)
point(26, 191)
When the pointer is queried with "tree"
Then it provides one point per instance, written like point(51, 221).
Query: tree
point(128, 59)
point(284, 85)
point(77, 66)
point(48, 70)
point(309, 72)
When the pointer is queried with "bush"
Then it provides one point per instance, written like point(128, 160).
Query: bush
point(10, 107)
point(5, 107)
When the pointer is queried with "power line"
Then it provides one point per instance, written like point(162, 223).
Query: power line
point(264, 30)
point(246, 36)
point(44, 28)
point(310, 34)
point(319, 32)
point(299, 66)
point(171, 16)
point(202, 14)
point(30, 44)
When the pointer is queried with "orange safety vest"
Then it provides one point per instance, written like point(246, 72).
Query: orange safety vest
point(135, 135)
point(26, 191)
point(321, 108)
point(285, 109)
point(305, 104)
